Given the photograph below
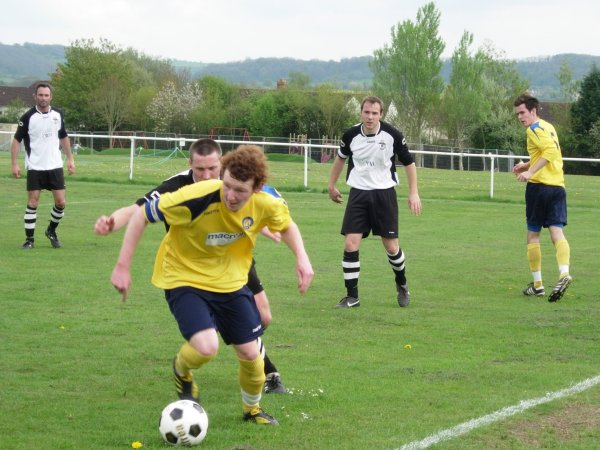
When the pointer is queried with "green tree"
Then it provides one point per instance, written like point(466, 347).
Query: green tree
point(14, 110)
point(301, 111)
point(407, 72)
point(585, 117)
point(140, 100)
point(112, 102)
point(79, 80)
point(568, 86)
point(290, 110)
point(298, 80)
point(101, 86)
point(464, 101)
point(502, 84)
point(221, 105)
point(334, 114)
point(265, 115)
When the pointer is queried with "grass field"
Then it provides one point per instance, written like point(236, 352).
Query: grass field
point(81, 370)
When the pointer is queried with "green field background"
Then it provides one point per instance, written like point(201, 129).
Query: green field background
point(79, 369)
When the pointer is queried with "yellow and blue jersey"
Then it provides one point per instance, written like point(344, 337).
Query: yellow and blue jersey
point(209, 246)
point(542, 142)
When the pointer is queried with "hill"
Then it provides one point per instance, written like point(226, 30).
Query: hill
point(20, 65)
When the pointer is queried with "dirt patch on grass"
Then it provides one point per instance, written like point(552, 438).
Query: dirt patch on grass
point(565, 425)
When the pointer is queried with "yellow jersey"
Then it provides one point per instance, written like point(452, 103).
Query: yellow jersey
point(209, 246)
point(542, 142)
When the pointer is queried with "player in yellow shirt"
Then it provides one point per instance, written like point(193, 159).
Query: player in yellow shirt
point(545, 196)
point(205, 164)
point(203, 263)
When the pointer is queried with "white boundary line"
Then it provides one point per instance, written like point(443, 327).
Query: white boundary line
point(503, 413)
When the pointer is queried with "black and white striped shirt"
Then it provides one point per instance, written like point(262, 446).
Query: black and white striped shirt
point(371, 157)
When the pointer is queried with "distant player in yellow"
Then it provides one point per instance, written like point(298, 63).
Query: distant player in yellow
point(545, 196)
point(203, 263)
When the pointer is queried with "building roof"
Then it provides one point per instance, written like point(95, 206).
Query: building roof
point(10, 93)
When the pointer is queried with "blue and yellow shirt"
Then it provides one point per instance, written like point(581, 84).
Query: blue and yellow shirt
point(542, 142)
point(209, 246)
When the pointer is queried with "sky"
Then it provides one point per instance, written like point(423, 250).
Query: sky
point(233, 30)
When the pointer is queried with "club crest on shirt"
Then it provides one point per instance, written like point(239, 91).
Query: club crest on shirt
point(247, 222)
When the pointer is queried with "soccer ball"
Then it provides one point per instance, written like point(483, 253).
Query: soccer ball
point(183, 422)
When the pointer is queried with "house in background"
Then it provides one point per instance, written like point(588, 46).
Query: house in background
point(11, 94)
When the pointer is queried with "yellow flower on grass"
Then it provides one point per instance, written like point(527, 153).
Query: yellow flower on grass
point(408, 346)
point(137, 444)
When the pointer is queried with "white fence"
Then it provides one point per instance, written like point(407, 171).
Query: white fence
point(490, 160)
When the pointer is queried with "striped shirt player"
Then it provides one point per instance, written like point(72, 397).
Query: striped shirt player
point(545, 197)
point(371, 149)
point(42, 131)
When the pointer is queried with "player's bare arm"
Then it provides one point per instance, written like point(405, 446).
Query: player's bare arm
point(65, 144)
point(530, 172)
point(117, 220)
point(304, 270)
point(14, 151)
point(121, 275)
point(336, 170)
point(414, 201)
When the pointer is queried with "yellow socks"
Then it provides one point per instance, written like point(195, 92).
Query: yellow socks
point(188, 359)
point(252, 379)
point(534, 256)
point(563, 256)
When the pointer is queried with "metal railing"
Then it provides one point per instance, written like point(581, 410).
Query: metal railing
point(490, 159)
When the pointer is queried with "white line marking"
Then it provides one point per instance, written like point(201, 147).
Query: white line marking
point(503, 413)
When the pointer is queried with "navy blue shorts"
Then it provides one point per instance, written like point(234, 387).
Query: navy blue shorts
point(51, 180)
point(233, 314)
point(375, 211)
point(545, 205)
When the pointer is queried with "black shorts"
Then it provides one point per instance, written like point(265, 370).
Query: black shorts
point(233, 314)
point(51, 180)
point(545, 205)
point(254, 283)
point(375, 211)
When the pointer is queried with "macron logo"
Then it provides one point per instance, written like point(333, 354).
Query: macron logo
point(217, 239)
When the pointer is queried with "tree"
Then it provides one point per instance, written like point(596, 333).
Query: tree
point(78, 83)
point(407, 72)
point(265, 115)
point(334, 114)
point(14, 110)
point(585, 120)
point(101, 86)
point(464, 102)
point(140, 99)
point(113, 101)
point(568, 86)
point(499, 129)
point(221, 105)
point(172, 107)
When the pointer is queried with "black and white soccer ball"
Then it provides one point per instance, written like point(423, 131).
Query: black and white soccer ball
point(183, 423)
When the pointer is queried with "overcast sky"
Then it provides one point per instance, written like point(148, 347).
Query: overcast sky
point(233, 30)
